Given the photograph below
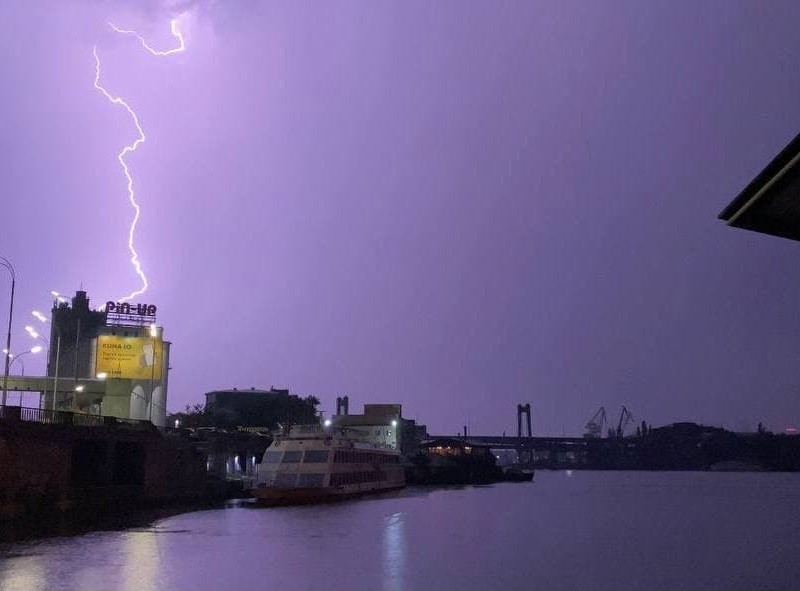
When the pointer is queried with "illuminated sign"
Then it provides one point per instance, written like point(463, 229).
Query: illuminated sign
point(131, 309)
point(136, 358)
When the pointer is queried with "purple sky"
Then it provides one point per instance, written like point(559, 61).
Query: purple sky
point(454, 205)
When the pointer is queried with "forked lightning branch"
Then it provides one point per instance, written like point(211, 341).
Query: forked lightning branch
point(133, 146)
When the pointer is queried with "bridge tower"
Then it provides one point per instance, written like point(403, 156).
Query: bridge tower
point(342, 404)
point(523, 409)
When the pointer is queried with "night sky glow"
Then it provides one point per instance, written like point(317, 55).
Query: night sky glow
point(459, 206)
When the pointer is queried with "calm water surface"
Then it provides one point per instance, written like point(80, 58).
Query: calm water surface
point(584, 530)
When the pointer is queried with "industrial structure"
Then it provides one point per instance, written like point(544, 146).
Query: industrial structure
point(382, 424)
point(110, 362)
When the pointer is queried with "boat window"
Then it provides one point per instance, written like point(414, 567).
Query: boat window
point(292, 457)
point(286, 480)
point(310, 480)
point(346, 457)
point(266, 477)
point(316, 456)
point(272, 457)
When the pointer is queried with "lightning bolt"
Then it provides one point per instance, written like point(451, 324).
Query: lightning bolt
point(173, 27)
point(130, 148)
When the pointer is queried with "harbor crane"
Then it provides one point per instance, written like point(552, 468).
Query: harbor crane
point(596, 425)
point(625, 417)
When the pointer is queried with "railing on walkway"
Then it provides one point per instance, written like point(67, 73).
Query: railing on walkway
point(61, 417)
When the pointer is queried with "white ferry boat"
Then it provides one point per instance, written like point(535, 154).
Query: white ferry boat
point(312, 464)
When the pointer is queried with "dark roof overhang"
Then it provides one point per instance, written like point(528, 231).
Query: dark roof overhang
point(770, 204)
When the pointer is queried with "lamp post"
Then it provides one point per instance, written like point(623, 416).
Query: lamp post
point(57, 299)
point(55, 379)
point(18, 358)
point(100, 376)
point(43, 319)
point(153, 335)
point(4, 262)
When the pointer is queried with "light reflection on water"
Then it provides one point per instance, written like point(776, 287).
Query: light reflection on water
point(29, 575)
point(394, 552)
point(598, 530)
point(142, 562)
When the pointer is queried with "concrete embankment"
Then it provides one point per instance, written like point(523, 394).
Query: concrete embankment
point(52, 466)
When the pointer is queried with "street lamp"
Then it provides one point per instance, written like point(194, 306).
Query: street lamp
point(4, 262)
point(153, 335)
point(15, 358)
point(18, 358)
point(32, 332)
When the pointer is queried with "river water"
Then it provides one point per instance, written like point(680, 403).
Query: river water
point(565, 530)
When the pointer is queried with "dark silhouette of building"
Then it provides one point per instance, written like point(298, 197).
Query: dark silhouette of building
point(72, 330)
point(255, 408)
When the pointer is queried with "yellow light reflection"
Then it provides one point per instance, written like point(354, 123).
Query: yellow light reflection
point(23, 573)
point(142, 560)
point(394, 552)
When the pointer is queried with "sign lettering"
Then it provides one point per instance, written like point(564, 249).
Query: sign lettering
point(131, 309)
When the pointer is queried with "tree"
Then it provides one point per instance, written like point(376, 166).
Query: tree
point(192, 417)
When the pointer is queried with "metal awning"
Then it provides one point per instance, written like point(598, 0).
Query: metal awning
point(770, 204)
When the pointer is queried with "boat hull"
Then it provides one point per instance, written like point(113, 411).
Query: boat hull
point(275, 496)
point(518, 475)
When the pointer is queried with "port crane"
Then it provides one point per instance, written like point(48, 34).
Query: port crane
point(625, 418)
point(596, 425)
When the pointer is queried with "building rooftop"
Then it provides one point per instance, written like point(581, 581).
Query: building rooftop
point(770, 204)
point(257, 391)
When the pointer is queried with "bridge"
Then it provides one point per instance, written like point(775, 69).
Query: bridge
point(522, 443)
point(558, 452)
point(554, 452)
point(44, 384)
